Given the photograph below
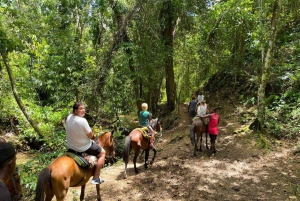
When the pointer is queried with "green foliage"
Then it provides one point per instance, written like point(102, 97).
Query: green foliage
point(282, 116)
point(29, 171)
point(177, 137)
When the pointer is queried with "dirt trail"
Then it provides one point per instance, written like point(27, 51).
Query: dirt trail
point(238, 171)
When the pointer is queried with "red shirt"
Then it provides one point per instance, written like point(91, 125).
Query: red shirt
point(213, 124)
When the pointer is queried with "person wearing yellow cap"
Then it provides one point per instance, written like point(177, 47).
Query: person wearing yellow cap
point(7, 168)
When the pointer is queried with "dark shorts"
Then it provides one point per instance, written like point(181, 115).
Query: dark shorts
point(94, 150)
point(213, 138)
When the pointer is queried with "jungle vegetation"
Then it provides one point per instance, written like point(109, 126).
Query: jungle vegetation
point(115, 54)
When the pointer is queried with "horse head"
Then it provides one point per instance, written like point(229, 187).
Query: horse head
point(156, 126)
point(14, 185)
point(107, 142)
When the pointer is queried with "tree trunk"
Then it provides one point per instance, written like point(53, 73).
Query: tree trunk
point(16, 95)
point(167, 15)
point(267, 63)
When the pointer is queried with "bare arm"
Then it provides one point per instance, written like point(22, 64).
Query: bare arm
point(90, 135)
point(206, 116)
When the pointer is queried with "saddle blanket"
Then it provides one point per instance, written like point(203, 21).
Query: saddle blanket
point(82, 160)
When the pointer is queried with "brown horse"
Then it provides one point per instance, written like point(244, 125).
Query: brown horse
point(14, 186)
point(196, 130)
point(64, 172)
point(14, 183)
point(137, 141)
point(107, 142)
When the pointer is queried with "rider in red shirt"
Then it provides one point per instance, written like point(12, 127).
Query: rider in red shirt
point(213, 130)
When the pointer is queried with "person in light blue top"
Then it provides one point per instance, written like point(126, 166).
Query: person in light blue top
point(145, 117)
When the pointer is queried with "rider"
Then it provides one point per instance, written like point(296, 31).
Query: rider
point(7, 168)
point(202, 108)
point(192, 107)
point(145, 117)
point(213, 130)
point(79, 138)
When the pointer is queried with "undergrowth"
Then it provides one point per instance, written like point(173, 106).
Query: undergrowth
point(176, 138)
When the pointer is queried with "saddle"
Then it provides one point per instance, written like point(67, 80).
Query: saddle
point(82, 159)
point(202, 119)
point(145, 132)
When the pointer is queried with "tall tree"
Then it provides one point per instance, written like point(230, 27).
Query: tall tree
point(14, 90)
point(167, 19)
point(267, 62)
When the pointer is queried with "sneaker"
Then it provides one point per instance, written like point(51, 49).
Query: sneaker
point(97, 181)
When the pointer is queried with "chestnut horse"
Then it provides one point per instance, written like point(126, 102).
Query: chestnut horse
point(14, 183)
point(14, 186)
point(64, 172)
point(196, 130)
point(137, 141)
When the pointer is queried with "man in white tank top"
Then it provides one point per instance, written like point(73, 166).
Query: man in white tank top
point(79, 138)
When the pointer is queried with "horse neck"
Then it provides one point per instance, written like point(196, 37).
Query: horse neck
point(104, 138)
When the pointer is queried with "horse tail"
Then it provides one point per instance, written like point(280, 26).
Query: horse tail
point(127, 149)
point(43, 179)
point(192, 133)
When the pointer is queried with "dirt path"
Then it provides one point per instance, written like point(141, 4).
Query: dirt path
point(238, 171)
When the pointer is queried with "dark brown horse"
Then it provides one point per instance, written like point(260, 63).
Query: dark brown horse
point(196, 130)
point(136, 141)
point(64, 172)
point(14, 183)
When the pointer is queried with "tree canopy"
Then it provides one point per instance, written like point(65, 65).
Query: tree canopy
point(116, 54)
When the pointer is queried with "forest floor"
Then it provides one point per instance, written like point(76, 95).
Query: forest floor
point(240, 170)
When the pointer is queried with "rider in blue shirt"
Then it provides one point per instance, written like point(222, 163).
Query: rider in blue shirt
point(145, 117)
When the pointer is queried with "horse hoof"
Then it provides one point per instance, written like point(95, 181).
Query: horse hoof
point(125, 176)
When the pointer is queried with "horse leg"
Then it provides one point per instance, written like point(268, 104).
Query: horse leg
point(200, 148)
point(141, 155)
point(98, 192)
point(195, 145)
point(136, 153)
point(125, 172)
point(206, 140)
point(154, 154)
point(146, 157)
point(82, 192)
point(60, 189)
